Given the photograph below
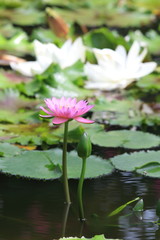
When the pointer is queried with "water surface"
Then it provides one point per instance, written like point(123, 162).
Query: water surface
point(35, 210)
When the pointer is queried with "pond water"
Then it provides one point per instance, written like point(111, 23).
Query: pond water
point(35, 210)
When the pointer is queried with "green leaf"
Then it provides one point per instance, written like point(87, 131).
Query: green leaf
point(18, 44)
point(145, 5)
point(149, 83)
point(103, 38)
point(37, 133)
point(96, 237)
point(29, 133)
point(46, 36)
point(129, 18)
point(146, 163)
point(119, 209)
point(119, 112)
point(37, 165)
point(98, 17)
point(126, 139)
point(16, 117)
point(7, 150)
point(139, 206)
point(151, 39)
point(76, 129)
point(58, 82)
point(8, 30)
point(23, 17)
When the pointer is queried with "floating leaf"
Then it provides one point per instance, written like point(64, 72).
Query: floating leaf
point(7, 150)
point(98, 17)
point(146, 163)
point(119, 112)
point(151, 39)
point(38, 133)
point(151, 170)
point(129, 19)
point(8, 30)
point(145, 5)
point(25, 134)
point(18, 117)
point(37, 164)
point(126, 139)
point(150, 83)
point(96, 237)
point(23, 17)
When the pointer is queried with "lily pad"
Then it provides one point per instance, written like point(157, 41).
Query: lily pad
point(16, 117)
point(96, 237)
point(7, 150)
point(150, 83)
point(151, 39)
point(146, 163)
point(38, 165)
point(127, 112)
point(147, 5)
point(125, 139)
point(99, 16)
point(23, 17)
point(38, 133)
point(129, 19)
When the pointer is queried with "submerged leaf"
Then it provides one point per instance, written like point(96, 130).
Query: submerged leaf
point(119, 209)
point(139, 206)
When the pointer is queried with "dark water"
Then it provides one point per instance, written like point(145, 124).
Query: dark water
point(31, 210)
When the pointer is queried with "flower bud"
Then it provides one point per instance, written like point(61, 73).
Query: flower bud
point(84, 146)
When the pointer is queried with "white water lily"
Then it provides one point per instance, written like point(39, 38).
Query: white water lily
point(117, 69)
point(69, 53)
point(49, 53)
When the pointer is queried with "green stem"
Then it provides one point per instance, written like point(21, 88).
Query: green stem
point(67, 207)
point(64, 164)
point(80, 187)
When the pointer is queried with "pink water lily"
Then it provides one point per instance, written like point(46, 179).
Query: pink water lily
point(65, 109)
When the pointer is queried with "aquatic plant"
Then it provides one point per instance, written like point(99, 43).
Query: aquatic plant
point(117, 69)
point(84, 150)
point(64, 110)
point(49, 53)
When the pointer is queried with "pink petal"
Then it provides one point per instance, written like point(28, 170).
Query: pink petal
point(45, 116)
point(83, 120)
point(74, 101)
point(50, 104)
point(81, 104)
point(46, 111)
point(85, 109)
point(59, 120)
